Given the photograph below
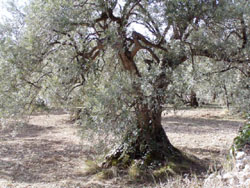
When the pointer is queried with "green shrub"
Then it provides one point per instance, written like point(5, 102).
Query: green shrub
point(243, 138)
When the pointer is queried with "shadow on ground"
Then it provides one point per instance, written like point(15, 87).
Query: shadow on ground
point(23, 130)
point(43, 151)
point(207, 138)
point(28, 156)
point(198, 125)
point(32, 160)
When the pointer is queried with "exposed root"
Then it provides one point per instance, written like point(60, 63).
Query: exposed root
point(154, 159)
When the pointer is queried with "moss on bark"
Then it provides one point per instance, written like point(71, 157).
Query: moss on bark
point(146, 151)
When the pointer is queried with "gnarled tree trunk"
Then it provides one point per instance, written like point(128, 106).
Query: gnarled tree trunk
point(147, 142)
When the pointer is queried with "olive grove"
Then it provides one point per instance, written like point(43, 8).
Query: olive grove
point(120, 62)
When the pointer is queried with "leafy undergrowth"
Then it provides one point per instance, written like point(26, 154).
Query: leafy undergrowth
point(242, 141)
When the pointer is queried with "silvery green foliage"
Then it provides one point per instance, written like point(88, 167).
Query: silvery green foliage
point(241, 95)
point(107, 103)
point(208, 78)
point(42, 54)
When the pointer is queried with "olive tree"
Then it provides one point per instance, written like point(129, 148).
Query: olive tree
point(222, 83)
point(114, 60)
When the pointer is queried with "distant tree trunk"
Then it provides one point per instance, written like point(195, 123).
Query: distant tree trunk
point(193, 99)
point(214, 97)
point(75, 114)
point(226, 95)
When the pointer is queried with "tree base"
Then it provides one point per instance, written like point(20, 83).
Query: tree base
point(153, 169)
point(157, 155)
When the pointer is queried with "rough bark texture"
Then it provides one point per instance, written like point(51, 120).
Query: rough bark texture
point(148, 149)
point(147, 142)
point(193, 99)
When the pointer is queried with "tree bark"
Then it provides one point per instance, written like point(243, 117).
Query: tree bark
point(214, 97)
point(193, 99)
point(226, 96)
point(146, 142)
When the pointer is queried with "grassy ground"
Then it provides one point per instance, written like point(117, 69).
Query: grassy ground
point(47, 152)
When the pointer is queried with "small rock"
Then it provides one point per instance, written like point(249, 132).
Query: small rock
point(227, 176)
point(246, 160)
point(247, 183)
point(239, 165)
point(241, 177)
point(246, 177)
point(233, 181)
point(219, 177)
point(247, 168)
point(240, 155)
point(209, 180)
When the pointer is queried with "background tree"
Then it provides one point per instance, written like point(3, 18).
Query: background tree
point(213, 82)
point(88, 54)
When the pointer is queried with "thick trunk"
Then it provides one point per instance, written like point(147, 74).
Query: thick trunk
point(147, 142)
point(147, 147)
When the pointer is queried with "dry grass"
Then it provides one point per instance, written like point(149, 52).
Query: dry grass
point(47, 151)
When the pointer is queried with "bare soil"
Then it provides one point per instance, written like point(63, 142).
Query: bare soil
point(47, 152)
point(206, 133)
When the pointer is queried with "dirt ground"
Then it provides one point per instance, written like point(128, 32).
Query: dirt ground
point(207, 133)
point(47, 152)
